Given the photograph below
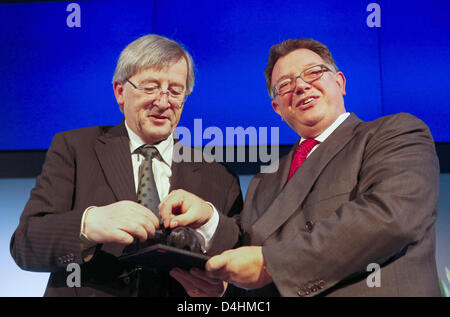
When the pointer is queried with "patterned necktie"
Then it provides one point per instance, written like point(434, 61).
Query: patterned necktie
point(147, 192)
point(147, 195)
point(300, 155)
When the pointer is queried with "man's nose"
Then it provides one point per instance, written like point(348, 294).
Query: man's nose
point(162, 100)
point(301, 86)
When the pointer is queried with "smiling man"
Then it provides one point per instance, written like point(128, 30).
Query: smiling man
point(350, 196)
point(100, 187)
point(317, 102)
point(350, 193)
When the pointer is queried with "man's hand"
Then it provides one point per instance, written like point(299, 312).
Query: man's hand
point(181, 208)
point(120, 222)
point(243, 267)
point(198, 284)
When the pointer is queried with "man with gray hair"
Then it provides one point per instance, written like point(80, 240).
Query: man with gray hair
point(100, 187)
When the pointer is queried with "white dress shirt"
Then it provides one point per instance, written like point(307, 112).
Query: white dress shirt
point(325, 134)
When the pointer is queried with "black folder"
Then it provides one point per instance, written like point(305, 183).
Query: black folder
point(166, 257)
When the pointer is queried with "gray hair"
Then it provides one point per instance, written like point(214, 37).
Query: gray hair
point(152, 51)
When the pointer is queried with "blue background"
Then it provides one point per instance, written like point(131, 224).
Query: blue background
point(56, 78)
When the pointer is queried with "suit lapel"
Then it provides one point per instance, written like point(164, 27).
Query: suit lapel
point(296, 190)
point(113, 153)
point(272, 185)
point(285, 166)
point(183, 173)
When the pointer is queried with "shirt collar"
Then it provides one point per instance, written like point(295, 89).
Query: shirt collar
point(165, 147)
point(326, 133)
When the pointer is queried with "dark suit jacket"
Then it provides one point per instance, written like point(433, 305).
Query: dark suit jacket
point(367, 194)
point(92, 167)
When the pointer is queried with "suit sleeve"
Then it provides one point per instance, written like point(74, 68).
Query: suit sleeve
point(395, 205)
point(48, 235)
point(227, 233)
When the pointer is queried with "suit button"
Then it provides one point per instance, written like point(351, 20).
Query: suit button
point(309, 226)
point(321, 284)
point(301, 293)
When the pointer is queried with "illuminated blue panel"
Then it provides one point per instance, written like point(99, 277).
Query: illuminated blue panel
point(415, 57)
point(230, 42)
point(56, 78)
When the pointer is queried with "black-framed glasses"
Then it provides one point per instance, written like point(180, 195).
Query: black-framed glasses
point(288, 84)
point(176, 94)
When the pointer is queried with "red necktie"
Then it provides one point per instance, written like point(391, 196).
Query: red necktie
point(300, 155)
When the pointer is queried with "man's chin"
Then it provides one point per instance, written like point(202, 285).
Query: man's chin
point(311, 119)
point(155, 135)
point(308, 127)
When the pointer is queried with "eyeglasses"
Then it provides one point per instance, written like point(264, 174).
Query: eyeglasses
point(287, 85)
point(176, 94)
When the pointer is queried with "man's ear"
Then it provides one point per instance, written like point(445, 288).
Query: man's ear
point(276, 107)
point(340, 80)
point(118, 92)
